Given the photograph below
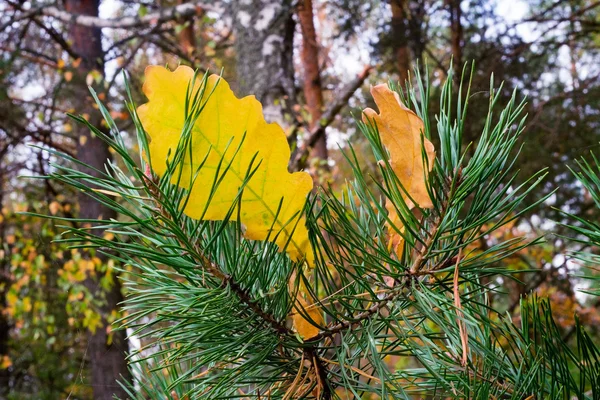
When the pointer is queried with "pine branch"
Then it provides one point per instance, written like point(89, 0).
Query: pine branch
point(212, 268)
point(413, 272)
point(244, 296)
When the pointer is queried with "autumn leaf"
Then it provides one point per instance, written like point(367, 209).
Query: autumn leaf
point(228, 131)
point(302, 325)
point(54, 207)
point(305, 310)
point(401, 132)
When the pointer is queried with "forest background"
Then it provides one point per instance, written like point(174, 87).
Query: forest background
point(311, 64)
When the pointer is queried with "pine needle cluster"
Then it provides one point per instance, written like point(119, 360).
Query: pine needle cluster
point(212, 309)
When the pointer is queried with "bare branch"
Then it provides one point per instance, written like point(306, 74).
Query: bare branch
point(329, 115)
point(164, 15)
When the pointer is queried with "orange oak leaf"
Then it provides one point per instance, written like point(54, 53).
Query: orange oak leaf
point(302, 325)
point(304, 311)
point(401, 132)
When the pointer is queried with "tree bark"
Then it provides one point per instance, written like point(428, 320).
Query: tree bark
point(107, 360)
point(264, 32)
point(187, 38)
point(456, 34)
point(313, 91)
point(4, 324)
point(4, 286)
point(400, 38)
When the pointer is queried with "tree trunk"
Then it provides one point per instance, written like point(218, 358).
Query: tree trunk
point(107, 356)
point(4, 325)
point(264, 32)
point(417, 33)
point(187, 39)
point(313, 91)
point(456, 35)
point(400, 39)
point(4, 286)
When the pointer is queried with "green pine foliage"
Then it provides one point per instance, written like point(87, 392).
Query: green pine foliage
point(212, 308)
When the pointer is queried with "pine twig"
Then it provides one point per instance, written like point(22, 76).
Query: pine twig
point(212, 268)
point(242, 294)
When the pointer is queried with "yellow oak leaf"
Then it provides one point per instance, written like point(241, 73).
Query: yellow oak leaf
point(228, 131)
point(401, 132)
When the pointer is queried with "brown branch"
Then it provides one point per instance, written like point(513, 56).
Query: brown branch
point(313, 90)
point(462, 328)
point(56, 36)
point(328, 116)
point(168, 14)
point(31, 55)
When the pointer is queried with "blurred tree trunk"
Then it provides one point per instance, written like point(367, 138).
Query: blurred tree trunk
point(187, 38)
point(456, 34)
point(400, 38)
point(4, 285)
point(106, 354)
point(4, 274)
point(313, 91)
point(264, 34)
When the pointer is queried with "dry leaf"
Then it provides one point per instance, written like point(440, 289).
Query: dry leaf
point(304, 305)
point(216, 136)
point(54, 207)
point(401, 130)
point(401, 133)
point(302, 325)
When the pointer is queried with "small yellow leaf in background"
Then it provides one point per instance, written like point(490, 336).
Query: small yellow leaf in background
point(108, 236)
point(401, 132)
point(68, 76)
point(217, 134)
point(5, 362)
point(60, 64)
point(82, 140)
point(54, 207)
